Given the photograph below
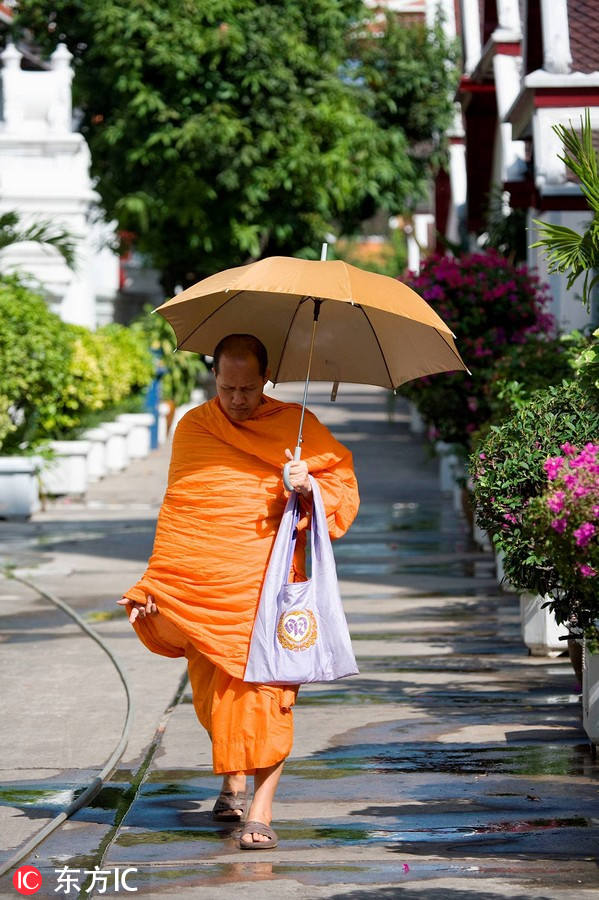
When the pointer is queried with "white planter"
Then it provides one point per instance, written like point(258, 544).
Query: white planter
point(417, 423)
point(480, 537)
point(590, 695)
point(117, 457)
point(96, 458)
point(163, 411)
point(450, 467)
point(19, 493)
point(540, 631)
point(138, 439)
point(67, 472)
point(502, 581)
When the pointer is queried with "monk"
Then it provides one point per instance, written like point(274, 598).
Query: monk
point(216, 528)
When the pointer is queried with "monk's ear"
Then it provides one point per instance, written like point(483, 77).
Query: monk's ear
point(266, 376)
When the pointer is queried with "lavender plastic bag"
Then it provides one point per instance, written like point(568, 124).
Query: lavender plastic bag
point(300, 632)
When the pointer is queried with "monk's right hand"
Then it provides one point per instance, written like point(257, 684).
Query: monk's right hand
point(139, 609)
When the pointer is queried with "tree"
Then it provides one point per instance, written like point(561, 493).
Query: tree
point(222, 130)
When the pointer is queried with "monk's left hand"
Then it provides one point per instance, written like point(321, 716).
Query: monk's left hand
point(298, 475)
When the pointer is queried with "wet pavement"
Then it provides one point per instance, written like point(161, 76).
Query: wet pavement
point(453, 767)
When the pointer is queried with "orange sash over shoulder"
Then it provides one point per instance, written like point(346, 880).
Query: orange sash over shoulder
point(220, 514)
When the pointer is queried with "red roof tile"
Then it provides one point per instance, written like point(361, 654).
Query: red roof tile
point(583, 19)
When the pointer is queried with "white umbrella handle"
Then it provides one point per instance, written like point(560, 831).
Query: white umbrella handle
point(296, 456)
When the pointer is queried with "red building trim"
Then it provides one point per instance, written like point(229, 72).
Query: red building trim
point(508, 48)
point(566, 96)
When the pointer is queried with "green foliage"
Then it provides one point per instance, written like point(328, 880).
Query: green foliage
point(222, 131)
point(35, 354)
point(586, 364)
point(507, 471)
point(183, 370)
point(411, 73)
point(568, 251)
point(126, 361)
point(42, 233)
point(526, 368)
point(56, 376)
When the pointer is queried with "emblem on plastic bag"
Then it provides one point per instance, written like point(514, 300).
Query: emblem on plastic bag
point(297, 630)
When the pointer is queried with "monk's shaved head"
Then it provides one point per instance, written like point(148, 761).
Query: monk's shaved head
point(238, 346)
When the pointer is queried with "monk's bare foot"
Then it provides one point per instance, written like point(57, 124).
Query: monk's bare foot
point(257, 814)
point(234, 783)
point(142, 610)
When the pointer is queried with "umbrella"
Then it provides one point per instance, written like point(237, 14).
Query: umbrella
point(372, 329)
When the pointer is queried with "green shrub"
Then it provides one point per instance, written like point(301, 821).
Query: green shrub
point(526, 368)
point(35, 354)
point(183, 370)
point(58, 378)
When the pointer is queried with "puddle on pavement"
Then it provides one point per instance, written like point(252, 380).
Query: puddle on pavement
point(394, 758)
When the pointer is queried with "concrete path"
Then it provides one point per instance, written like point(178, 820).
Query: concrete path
point(453, 767)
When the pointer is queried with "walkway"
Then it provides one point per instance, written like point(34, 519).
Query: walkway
point(453, 767)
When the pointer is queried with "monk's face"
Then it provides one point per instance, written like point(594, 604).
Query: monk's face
point(239, 385)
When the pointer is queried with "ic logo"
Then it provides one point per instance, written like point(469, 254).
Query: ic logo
point(27, 880)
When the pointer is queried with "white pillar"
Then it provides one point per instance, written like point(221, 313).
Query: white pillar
point(556, 36)
point(471, 34)
point(508, 15)
point(507, 87)
point(457, 180)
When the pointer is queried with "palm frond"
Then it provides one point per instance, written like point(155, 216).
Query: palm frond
point(580, 157)
point(43, 232)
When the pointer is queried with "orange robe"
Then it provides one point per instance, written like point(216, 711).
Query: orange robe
point(214, 535)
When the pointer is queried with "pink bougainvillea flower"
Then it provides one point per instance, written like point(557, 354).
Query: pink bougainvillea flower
point(569, 449)
point(596, 511)
point(570, 480)
point(559, 525)
point(552, 465)
point(586, 571)
point(584, 534)
point(556, 502)
point(482, 455)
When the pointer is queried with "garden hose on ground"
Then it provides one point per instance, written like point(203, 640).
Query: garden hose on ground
point(93, 788)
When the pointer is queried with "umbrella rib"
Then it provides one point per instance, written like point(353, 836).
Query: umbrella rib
point(453, 350)
point(209, 316)
point(276, 378)
point(378, 345)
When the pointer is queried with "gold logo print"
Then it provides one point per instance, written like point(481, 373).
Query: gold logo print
point(297, 630)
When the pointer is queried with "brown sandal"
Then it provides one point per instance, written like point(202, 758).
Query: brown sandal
point(228, 804)
point(253, 827)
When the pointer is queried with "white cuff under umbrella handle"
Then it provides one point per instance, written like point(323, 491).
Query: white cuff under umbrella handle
point(296, 456)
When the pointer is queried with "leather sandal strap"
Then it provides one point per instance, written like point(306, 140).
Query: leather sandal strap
point(229, 800)
point(253, 827)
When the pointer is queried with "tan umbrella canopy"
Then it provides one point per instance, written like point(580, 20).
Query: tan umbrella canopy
point(372, 329)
